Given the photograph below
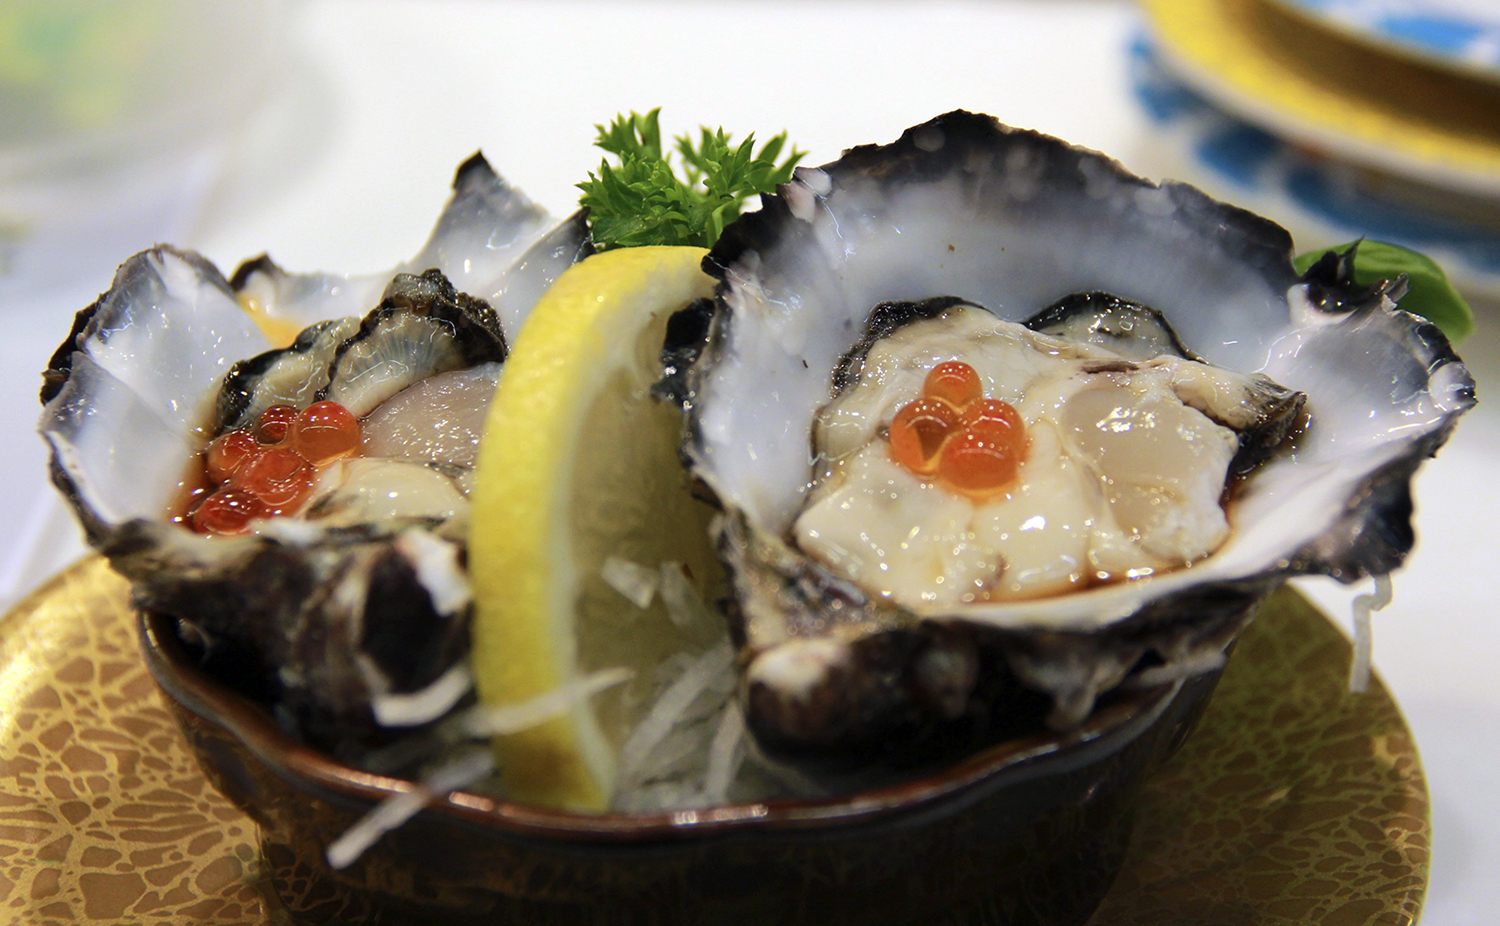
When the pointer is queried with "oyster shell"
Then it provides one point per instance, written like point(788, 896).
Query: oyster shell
point(1015, 222)
point(490, 242)
point(365, 593)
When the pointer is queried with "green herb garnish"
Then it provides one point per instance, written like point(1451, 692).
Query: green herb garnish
point(642, 201)
point(1431, 295)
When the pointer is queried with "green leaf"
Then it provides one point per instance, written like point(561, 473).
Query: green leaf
point(1430, 295)
point(641, 200)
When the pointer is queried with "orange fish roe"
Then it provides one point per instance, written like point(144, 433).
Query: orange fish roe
point(324, 432)
point(973, 445)
point(955, 382)
point(919, 431)
point(273, 423)
point(269, 467)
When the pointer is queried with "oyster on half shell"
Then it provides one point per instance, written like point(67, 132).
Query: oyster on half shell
point(363, 593)
point(850, 257)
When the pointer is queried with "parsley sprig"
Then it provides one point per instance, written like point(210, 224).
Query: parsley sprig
point(642, 201)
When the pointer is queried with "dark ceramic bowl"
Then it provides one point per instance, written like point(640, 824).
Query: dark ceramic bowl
point(1030, 831)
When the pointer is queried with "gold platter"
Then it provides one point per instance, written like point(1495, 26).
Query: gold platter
point(1295, 802)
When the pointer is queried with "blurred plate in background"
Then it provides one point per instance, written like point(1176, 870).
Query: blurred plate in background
point(1463, 35)
point(1333, 96)
point(1321, 200)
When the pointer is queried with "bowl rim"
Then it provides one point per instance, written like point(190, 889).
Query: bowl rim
point(307, 768)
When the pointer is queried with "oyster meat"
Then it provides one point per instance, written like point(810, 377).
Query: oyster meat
point(358, 590)
point(1125, 462)
point(1270, 426)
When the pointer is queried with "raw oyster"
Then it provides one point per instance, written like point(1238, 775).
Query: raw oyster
point(364, 593)
point(1125, 460)
point(962, 209)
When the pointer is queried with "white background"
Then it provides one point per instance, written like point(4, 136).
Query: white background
point(347, 160)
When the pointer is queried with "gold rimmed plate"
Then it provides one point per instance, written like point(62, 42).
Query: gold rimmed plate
point(1329, 93)
point(1294, 801)
point(1456, 36)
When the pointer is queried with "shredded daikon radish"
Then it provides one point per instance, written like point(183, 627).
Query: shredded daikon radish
point(495, 720)
point(684, 607)
point(426, 705)
point(659, 796)
point(724, 755)
point(667, 712)
point(471, 766)
point(671, 667)
point(635, 582)
point(1363, 605)
point(672, 756)
point(1179, 669)
point(465, 770)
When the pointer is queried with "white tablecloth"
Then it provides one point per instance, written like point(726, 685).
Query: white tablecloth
point(346, 165)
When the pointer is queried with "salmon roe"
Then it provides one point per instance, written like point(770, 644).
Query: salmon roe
point(971, 444)
point(268, 467)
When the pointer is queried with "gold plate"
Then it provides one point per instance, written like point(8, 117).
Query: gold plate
point(1294, 802)
point(104, 815)
point(1321, 89)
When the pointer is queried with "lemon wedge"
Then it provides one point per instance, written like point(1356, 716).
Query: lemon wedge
point(577, 473)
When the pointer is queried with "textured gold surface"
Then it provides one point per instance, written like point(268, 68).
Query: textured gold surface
point(104, 816)
point(1294, 803)
point(1319, 88)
